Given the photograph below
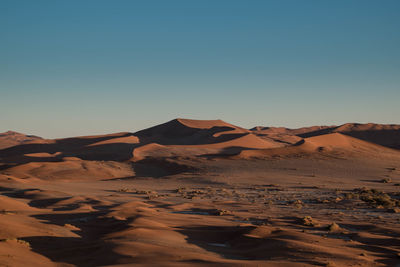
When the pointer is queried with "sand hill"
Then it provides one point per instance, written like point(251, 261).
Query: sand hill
point(190, 132)
point(183, 137)
point(155, 151)
point(10, 138)
point(383, 134)
point(333, 144)
point(195, 138)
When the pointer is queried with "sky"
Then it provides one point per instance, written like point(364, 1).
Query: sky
point(81, 67)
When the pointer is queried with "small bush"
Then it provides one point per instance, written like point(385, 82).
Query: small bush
point(308, 221)
point(386, 180)
point(334, 228)
point(377, 198)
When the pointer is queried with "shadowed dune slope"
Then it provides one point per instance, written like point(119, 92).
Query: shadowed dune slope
point(98, 147)
point(283, 130)
point(286, 135)
point(72, 169)
point(328, 143)
point(182, 137)
point(386, 135)
point(10, 138)
point(343, 142)
point(383, 134)
point(248, 141)
point(190, 132)
point(234, 146)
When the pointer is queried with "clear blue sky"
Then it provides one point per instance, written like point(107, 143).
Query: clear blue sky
point(89, 67)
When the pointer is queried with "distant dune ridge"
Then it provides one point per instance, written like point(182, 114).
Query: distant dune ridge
point(382, 134)
point(11, 138)
point(185, 138)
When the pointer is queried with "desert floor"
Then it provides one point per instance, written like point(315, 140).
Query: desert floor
point(233, 212)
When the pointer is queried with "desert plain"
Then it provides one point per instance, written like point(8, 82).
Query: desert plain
point(203, 192)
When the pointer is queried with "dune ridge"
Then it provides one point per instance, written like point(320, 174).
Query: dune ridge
point(11, 138)
point(185, 138)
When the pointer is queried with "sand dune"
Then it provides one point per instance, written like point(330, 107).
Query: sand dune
point(245, 141)
point(185, 138)
point(341, 141)
point(328, 144)
point(383, 134)
point(248, 141)
point(283, 130)
point(190, 132)
point(286, 135)
point(10, 138)
point(125, 140)
point(182, 137)
point(71, 169)
point(193, 192)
